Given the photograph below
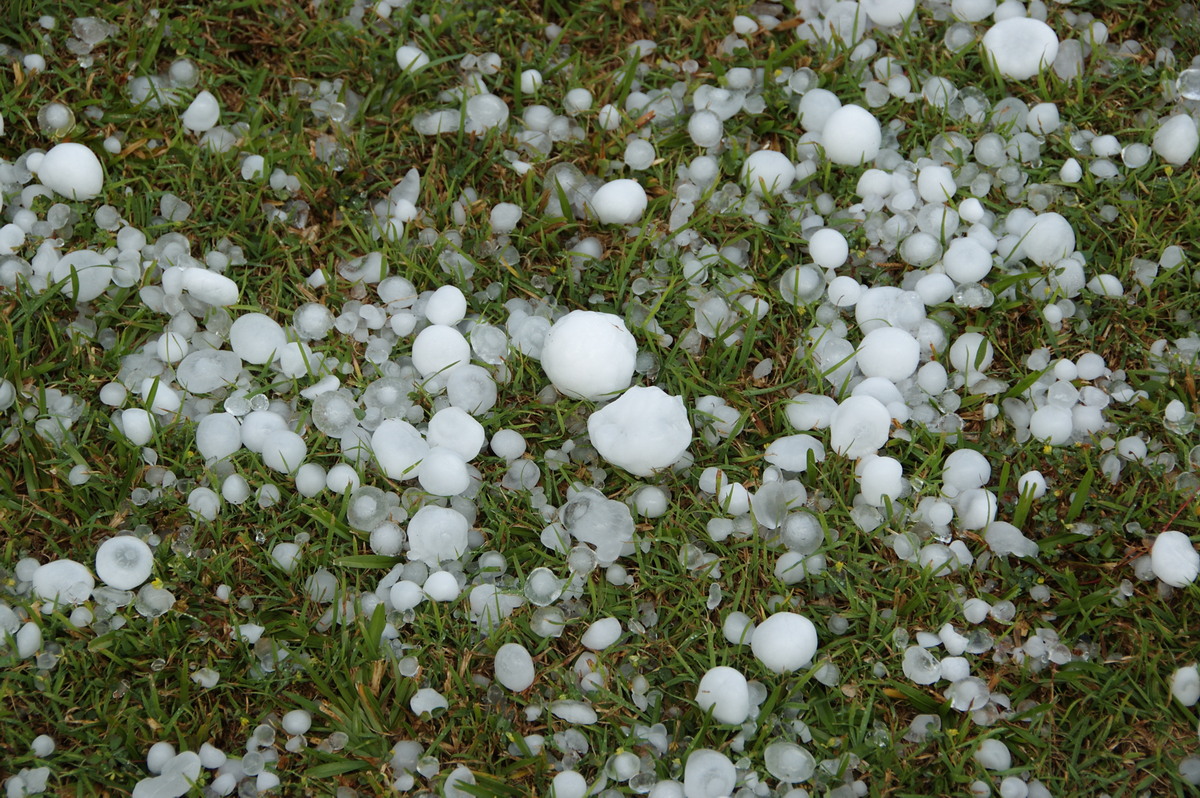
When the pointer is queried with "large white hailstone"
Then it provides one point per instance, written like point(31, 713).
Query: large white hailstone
point(767, 172)
point(971, 353)
point(1185, 685)
point(209, 287)
point(993, 755)
point(1176, 140)
point(785, 642)
point(83, 275)
point(203, 114)
point(1020, 47)
point(887, 13)
point(514, 667)
point(589, 355)
point(860, 426)
point(410, 58)
point(1174, 559)
point(1048, 240)
point(851, 136)
point(889, 352)
point(620, 201)
point(436, 534)
point(816, 106)
point(399, 448)
point(256, 338)
point(71, 170)
point(439, 348)
point(63, 582)
point(828, 248)
point(966, 261)
point(708, 774)
point(124, 562)
point(284, 451)
point(1052, 424)
point(644, 430)
point(964, 469)
point(882, 480)
point(724, 690)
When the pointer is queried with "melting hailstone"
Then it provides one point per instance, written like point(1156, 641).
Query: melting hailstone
point(644, 430)
point(124, 562)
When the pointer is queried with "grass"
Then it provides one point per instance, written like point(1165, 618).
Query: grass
point(1106, 719)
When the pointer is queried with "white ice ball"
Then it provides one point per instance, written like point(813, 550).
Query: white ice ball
point(620, 201)
point(851, 136)
point(644, 430)
point(725, 691)
point(767, 172)
point(1176, 140)
point(1174, 559)
point(71, 170)
point(1020, 47)
point(785, 642)
point(589, 355)
point(889, 352)
point(828, 248)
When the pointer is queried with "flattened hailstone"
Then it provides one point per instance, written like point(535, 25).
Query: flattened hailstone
point(63, 581)
point(439, 348)
point(398, 448)
point(889, 352)
point(601, 634)
point(860, 426)
point(784, 642)
point(436, 534)
point(203, 114)
point(966, 261)
point(83, 275)
point(708, 774)
point(993, 755)
point(124, 562)
point(1048, 240)
point(619, 202)
point(256, 338)
point(791, 452)
point(514, 667)
point(71, 170)
point(851, 136)
point(1176, 140)
point(1173, 559)
point(644, 430)
point(1020, 47)
point(767, 172)
point(410, 58)
point(887, 13)
point(724, 690)
point(589, 355)
point(1185, 685)
point(1052, 424)
point(1004, 538)
point(828, 248)
point(209, 287)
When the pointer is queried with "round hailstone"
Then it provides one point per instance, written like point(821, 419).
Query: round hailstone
point(767, 172)
point(1052, 424)
point(443, 472)
point(828, 248)
point(124, 562)
point(218, 435)
point(436, 534)
point(619, 202)
point(589, 355)
point(784, 642)
point(971, 352)
point(708, 774)
point(71, 170)
point(1176, 140)
point(439, 348)
point(724, 690)
point(1048, 240)
point(203, 114)
point(882, 481)
point(889, 352)
point(256, 338)
point(63, 581)
point(1174, 560)
point(83, 275)
point(411, 59)
point(514, 667)
point(399, 448)
point(851, 136)
point(644, 430)
point(860, 426)
point(1020, 47)
point(447, 305)
point(966, 261)
point(816, 106)
point(284, 451)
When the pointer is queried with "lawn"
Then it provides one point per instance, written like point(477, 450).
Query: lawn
point(301, 195)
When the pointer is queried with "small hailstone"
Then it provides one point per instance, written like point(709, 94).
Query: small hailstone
point(1185, 685)
point(767, 172)
point(410, 58)
point(620, 201)
point(828, 248)
point(531, 81)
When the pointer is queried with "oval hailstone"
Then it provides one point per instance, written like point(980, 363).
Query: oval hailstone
point(124, 562)
point(644, 430)
point(1048, 240)
point(63, 581)
point(1174, 559)
point(784, 642)
point(589, 355)
point(71, 170)
point(619, 202)
point(203, 113)
point(888, 352)
point(514, 667)
point(724, 690)
point(256, 338)
point(767, 172)
point(436, 534)
point(1020, 47)
point(83, 275)
point(851, 136)
point(1176, 140)
point(209, 287)
point(860, 426)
